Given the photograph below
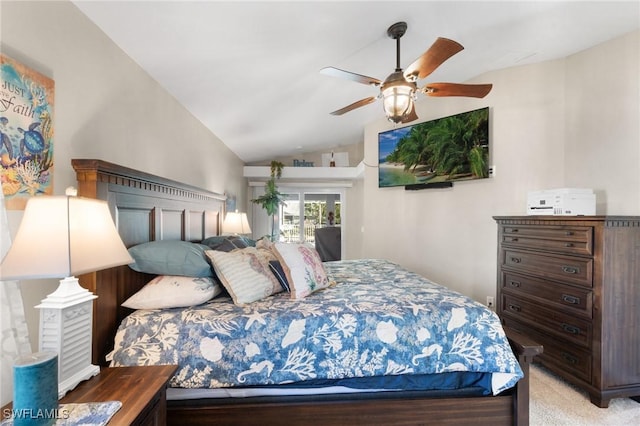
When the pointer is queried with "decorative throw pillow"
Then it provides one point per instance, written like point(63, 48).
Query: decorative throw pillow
point(244, 274)
point(166, 291)
point(171, 258)
point(264, 243)
point(303, 268)
point(228, 242)
point(267, 250)
point(278, 272)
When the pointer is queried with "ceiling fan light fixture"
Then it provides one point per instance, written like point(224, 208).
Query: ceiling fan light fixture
point(397, 102)
point(397, 97)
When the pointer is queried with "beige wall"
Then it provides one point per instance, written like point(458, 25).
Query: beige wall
point(565, 123)
point(107, 107)
point(602, 148)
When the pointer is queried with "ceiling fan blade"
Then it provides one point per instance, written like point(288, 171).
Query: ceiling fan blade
point(358, 104)
point(441, 50)
point(336, 72)
point(456, 89)
point(412, 116)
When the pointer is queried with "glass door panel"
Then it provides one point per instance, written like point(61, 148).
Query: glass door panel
point(290, 219)
point(305, 211)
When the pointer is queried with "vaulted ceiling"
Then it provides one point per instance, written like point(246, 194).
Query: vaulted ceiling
point(250, 70)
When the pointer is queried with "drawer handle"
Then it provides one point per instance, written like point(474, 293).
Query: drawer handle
point(515, 259)
point(568, 233)
point(573, 300)
point(572, 329)
point(514, 239)
point(568, 358)
point(513, 230)
point(515, 308)
point(570, 270)
point(568, 245)
point(514, 283)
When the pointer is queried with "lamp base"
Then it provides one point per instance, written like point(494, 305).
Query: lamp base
point(68, 293)
point(66, 322)
point(69, 383)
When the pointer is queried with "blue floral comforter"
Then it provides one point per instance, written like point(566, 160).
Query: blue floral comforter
point(379, 319)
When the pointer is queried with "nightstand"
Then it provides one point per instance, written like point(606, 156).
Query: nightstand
point(142, 391)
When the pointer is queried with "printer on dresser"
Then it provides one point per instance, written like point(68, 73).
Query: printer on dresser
point(573, 285)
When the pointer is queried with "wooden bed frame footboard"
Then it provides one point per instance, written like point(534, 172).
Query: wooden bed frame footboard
point(508, 408)
point(147, 208)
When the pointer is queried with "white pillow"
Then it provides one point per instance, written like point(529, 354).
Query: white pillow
point(169, 291)
point(303, 267)
point(245, 274)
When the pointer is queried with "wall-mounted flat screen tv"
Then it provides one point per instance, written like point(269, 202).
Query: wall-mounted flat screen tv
point(447, 149)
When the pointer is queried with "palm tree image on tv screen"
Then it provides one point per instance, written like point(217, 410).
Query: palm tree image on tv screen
point(447, 149)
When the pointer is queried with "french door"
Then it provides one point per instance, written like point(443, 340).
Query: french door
point(306, 210)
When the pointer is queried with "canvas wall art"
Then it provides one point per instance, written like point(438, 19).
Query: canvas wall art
point(26, 133)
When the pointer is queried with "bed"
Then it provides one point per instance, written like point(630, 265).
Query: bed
point(149, 208)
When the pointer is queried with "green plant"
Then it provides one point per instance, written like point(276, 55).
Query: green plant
point(272, 198)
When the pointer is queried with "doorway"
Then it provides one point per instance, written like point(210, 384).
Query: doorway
point(306, 211)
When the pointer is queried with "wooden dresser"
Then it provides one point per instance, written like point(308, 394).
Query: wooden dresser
point(572, 283)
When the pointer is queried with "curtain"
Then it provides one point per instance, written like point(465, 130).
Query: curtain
point(14, 340)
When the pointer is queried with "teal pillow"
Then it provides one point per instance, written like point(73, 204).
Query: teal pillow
point(171, 258)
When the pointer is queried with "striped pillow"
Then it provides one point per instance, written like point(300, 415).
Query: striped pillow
point(245, 274)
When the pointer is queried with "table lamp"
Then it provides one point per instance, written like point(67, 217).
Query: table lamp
point(236, 223)
point(59, 237)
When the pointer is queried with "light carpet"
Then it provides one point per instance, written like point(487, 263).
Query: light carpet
point(556, 402)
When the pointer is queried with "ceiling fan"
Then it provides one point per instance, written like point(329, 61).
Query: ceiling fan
point(399, 91)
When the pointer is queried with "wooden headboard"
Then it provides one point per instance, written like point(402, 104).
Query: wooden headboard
point(145, 208)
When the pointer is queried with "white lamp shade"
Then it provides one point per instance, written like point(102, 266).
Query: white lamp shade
point(236, 223)
point(61, 236)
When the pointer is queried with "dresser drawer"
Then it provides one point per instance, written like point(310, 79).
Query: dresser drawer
point(571, 269)
point(565, 358)
point(574, 299)
point(565, 326)
point(566, 239)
